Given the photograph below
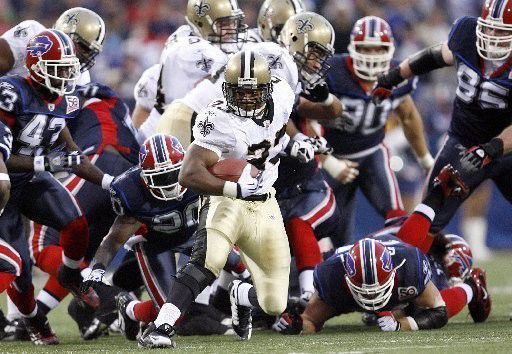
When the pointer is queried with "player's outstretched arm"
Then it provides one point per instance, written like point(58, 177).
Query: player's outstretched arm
point(423, 62)
point(434, 314)
point(329, 109)
point(413, 130)
point(194, 172)
point(6, 57)
point(85, 169)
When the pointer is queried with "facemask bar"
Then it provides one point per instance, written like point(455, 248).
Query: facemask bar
point(163, 192)
point(369, 66)
point(312, 76)
point(48, 70)
point(229, 33)
point(492, 47)
point(256, 107)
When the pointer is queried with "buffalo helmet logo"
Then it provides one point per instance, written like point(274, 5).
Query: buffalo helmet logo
point(143, 153)
point(305, 25)
point(387, 262)
point(202, 8)
point(39, 46)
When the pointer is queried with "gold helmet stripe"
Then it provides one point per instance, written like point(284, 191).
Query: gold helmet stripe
point(234, 5)
point(101, 35)
point(297, 6)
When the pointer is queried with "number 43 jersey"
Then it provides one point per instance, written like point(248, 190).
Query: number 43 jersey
point(34, 122)
point(482, 105)
point(259, 141)
point(130, 197)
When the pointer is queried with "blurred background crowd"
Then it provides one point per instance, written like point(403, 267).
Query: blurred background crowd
point(137, 30)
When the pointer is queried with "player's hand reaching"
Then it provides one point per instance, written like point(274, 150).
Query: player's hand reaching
point(345, 171)
point(58, 161)
point(476, 157)
point(388, 323)
point(318, 93)
point(288, 323)
point(320, 145)
point(248, 185)
point(302, 150)
point(94, 278)
point(385, 83)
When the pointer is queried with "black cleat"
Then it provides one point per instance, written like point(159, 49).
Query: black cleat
point(240, 315)
point(39, 330)
point(88, 325)
point(129, 327)
point(161, 337)
point(480, 305)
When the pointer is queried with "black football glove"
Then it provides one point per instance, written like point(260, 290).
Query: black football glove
point(385, 83)
point(476, 157)
point(318, 93)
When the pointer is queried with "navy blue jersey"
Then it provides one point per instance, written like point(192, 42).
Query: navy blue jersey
point(482, 105)
point(5, 141)
point(131, 197)
point(410, 280)
point(362, 125)
point(34, 122)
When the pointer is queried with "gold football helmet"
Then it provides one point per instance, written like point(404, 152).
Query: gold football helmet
point(219, 21)
point(309, 38)
point(274, 14)
point(248, 84)
point(87, 30)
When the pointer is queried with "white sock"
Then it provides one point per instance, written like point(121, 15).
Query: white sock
point(325, 245)
point(71, 263)
point(204, 296)
point(47, 299)
point(243, 294)
point(306, 281)
point(12, 311)
point(168, 314)
point(468, 290)
point(474, 230)
point(129, 309)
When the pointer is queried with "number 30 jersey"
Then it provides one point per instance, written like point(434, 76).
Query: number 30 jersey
point(362, 125)
point(259, 141)
point(130, 197)
point(482, 105)
point(34, 122)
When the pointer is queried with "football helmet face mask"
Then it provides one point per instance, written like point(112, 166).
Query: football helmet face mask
point(371, 47)
point(274, 14)
point(219, 21)
point(370, 274)
point(459, 259)
point(494, 30)
point(87, 30)
point(160, 159)
point(52, 62)
point(309, 38)
point(248, 84)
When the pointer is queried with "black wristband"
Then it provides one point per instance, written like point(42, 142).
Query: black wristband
point(494, 148)
point(98, 266)
point(427, 60)
point(392, 78)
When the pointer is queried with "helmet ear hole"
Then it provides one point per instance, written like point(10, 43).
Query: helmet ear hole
point(294, 38)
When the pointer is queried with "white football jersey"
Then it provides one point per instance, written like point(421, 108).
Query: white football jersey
point(261, 142)
point(18, 38)
point(281, 64)
point(144, 91)
point(254, 35)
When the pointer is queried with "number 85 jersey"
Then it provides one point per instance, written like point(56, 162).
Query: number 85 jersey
point(34, 122)
point(482, 105)
point(259, 141)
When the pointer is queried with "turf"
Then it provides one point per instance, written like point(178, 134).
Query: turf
point(343, 334)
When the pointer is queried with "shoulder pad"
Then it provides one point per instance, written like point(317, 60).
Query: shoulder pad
point(212, 129)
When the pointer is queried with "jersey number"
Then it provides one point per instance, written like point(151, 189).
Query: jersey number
point(32, 134)
point(258, 153)
point(175, 220)
point(488, 94)
point(7, 99)
point(364, 117)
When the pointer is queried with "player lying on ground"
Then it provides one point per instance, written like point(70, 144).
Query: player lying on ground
point(383, 274)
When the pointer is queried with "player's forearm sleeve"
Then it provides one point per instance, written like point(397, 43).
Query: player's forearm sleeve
point(432, 318)
point(427, 60)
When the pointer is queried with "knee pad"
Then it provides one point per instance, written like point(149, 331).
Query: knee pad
point(195, 278)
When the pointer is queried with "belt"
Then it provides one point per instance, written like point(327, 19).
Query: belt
point(258, 197)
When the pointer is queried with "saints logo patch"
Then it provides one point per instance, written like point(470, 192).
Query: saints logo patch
point(274, 62)
point(305, 25)
point(20, 32)
point(202, 8)
point(205, 64)
point(72, 19)
point(205, 126)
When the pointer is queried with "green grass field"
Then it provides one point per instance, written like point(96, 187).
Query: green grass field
point(343, 334)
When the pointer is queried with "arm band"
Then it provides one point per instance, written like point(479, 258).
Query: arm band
point(4, 177)
point(39, 164)
point(432, 318)
point(427, 60)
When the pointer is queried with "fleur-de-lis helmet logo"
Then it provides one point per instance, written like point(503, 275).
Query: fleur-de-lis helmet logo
point(202, 8)
point(205, 127)
point(305, 25)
